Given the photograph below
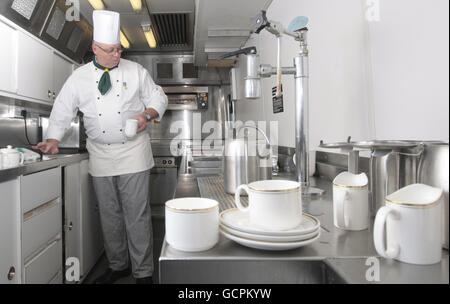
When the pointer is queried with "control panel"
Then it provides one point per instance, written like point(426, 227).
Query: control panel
point(202, 101)
point(165, 162)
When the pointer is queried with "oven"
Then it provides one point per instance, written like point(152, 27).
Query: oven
point(187, 97)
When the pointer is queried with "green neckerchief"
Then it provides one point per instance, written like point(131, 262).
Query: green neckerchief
point(105, 81)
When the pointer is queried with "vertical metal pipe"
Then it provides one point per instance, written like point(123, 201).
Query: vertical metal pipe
point(301, 118)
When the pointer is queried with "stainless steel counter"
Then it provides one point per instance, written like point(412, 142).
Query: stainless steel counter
point(338, 256)
point(47, 162)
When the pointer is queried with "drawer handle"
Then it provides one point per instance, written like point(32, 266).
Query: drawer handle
point(49, 93)
point(70, 226)
point(11, 273)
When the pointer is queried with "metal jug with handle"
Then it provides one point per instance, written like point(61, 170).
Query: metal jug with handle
point(393, 165)
point(240, 166)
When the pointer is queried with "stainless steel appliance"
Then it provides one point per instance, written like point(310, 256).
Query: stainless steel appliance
point(187, 98)
point(163, 180)
point(243, 167)
point(74, 139)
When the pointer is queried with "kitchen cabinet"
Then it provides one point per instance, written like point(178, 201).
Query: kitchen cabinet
point(39, 188)
point(10, 232)
point(45, 266)
point(7, 58)
point(40, 72)
point(41, 205)
point(34, 69)
point(72, 209)
point(92, 243)
point(83, 236)
point(62, 69)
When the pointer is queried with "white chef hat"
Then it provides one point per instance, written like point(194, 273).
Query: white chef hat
point(106, 26)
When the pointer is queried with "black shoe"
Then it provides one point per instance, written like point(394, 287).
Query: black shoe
point(110, 276)
point(146, 280)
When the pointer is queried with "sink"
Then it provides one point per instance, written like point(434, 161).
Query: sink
point(248, 272)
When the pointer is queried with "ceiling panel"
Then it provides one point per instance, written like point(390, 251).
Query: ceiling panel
point(131, 21)
point(215, 16)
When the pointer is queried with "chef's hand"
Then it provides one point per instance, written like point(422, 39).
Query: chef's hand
point(47, 147)
point(142, 122)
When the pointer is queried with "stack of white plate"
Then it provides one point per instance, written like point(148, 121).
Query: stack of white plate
point(235, 225)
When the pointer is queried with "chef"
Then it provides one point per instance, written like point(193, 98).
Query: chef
point(108, 91)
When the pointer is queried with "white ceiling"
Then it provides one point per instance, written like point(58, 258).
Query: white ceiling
point(218, 26)
point(231, 17)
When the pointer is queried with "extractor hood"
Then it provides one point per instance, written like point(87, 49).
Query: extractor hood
point(172, 23)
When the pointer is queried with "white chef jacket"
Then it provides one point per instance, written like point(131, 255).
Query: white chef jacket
point(132, 91)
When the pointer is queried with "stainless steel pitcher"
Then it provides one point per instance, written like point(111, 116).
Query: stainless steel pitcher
point(240, 166)
point(392, 170)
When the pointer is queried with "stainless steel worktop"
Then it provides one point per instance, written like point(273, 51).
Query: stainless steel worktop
point(47, 162)
point(338, 256)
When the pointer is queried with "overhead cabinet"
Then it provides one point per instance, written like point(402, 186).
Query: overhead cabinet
point(34, 69)
point(7, 58)
point(30, 68)
point(62, 69)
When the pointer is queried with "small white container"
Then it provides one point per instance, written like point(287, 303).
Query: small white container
point(131, 127)
point(192, 223)
point(274, 205)
point(408, 228)
point(10, 158)
point(351, 201)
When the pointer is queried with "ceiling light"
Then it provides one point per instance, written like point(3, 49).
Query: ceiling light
point(136, 4)
point(150, 38)
point(124, 41)
point(148, 32)
point(97, 4)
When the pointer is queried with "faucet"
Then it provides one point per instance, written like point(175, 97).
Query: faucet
point(297, 29)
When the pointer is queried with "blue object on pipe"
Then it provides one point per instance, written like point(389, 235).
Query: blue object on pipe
point(298, 23)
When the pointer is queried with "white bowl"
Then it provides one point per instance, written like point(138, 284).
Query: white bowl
point(192, 223)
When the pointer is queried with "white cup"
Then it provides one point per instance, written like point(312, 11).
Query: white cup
point(351, 201)
point(131, 127)
point(311, 160)
point(273, 204)
point(11, 158)
point(192, 223)
point(411, 221)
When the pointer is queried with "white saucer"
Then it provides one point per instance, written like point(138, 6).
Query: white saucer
point(238, 220)
point(268, 245)
point(270, 238)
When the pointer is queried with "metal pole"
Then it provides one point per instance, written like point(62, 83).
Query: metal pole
point(301, 120)
point(301, 117)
